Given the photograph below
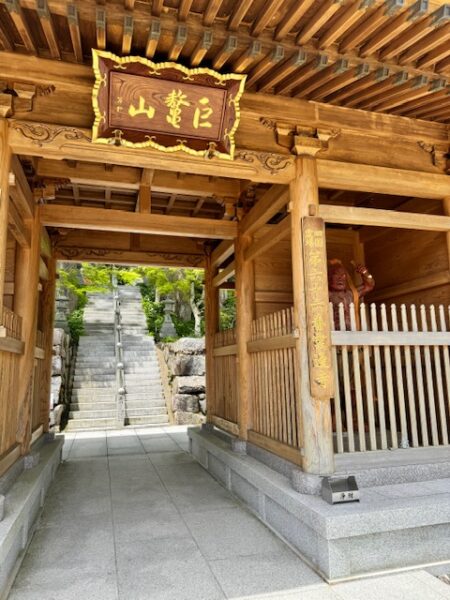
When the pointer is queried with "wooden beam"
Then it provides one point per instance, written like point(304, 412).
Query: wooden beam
point(332, 72)
point(220, 254)
point(184, 8)
point(75, 217)
point(272, 202)
point(381, 180)
point(374, 217)
point(225, 274)
point(273, 235)
point(248, 57)
point(8, 344)
point(239, 12)
point(155, 257)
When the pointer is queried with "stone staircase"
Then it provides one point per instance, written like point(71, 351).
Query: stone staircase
point(93, 404)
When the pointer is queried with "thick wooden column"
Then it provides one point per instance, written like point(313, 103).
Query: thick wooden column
point(317, 440)
point(245, 303)
point(48, 309)
point(5, 163)
point(446, 206)
point(211, 328)
point(25, 304)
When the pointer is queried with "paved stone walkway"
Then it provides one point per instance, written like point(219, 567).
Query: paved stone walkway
point(131, 516)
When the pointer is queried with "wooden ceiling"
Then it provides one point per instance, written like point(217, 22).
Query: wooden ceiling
point(378, 55)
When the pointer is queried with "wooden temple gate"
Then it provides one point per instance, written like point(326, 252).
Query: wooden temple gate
point(343, 140)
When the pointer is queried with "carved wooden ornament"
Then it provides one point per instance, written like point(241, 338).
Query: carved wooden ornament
point(138, 103)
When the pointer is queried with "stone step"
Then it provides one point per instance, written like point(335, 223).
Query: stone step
point(94, 385)
point(104, 405)
point(95, 370)
point(90, 395)
point(149, 420)
point(95, 377)
point(93, 414)
point(82, 424)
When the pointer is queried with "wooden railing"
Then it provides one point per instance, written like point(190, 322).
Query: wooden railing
point(275, 410)
point(226, 388)
point(392, 378)
point(11, 324)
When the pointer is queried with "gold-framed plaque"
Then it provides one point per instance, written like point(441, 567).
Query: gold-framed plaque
point(166, 106)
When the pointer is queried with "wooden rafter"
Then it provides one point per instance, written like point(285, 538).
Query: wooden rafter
point(100, 27)
point(224, 53)
point(17, 15)
point(341, 81)
point(362, 31)
point(202, 47)
point(48, 29)
point(426, 44)
point(322, 78)
point(321, 15)
point(419, 90)
point(153, 38)
point(350, 15)
point(299, 76)
point(416, 32)
point(178, 42)
point(394, 28)
point(291, 18)
point(265, 65)
point(283, 71)
point(211, 12)
point(74, 30)
point(127, 37)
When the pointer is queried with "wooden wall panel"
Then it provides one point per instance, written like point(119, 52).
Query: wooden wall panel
point(398, 257)
point(273, 270)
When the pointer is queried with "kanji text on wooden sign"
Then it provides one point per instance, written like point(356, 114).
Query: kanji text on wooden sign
point(317, 312)
point(166, 106)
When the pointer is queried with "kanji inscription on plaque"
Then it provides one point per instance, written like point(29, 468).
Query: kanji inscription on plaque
point(166, 106)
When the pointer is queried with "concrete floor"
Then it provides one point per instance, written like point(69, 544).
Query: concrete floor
point(132, 516)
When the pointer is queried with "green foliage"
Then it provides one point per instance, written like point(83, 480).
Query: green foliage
point(75, 323)
point(154, 313)
point(183, 328)
point(228, 312)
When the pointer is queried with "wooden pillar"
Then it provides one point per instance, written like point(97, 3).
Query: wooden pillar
point(26, 304)
point(211, 328)
point(48, 310)
point(5, 163)
point(446, 206)
point(317, 437)
point(245, 302)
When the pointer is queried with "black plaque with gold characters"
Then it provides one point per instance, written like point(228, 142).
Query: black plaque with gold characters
point(138, 103)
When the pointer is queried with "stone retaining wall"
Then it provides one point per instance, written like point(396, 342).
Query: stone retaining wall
point(185, 360)
point(63, 361)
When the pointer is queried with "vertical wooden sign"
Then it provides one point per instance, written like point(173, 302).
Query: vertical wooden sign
point(317, 314)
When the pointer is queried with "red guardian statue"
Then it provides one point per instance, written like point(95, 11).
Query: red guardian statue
point(342, 289)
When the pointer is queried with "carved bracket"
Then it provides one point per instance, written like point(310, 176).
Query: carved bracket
point(19, 97)
point(300, 139)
